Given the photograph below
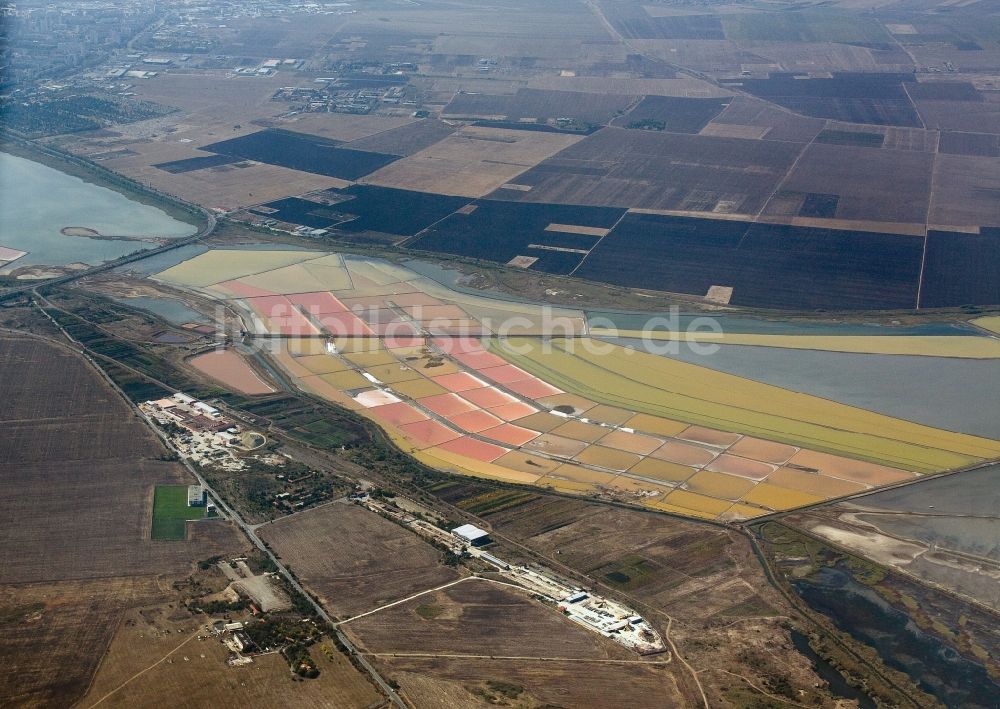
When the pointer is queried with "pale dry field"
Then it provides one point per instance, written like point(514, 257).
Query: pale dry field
point(174, 662)
point(53, 634)
point(462, 683)
point(343, 126)
point(472, 161)
point(354, 560)
point(215, 98)
point(478, 617)
point(213, 107)
point(684, 86)
point(226, 187)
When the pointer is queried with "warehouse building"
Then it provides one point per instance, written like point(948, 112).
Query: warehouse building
point(473, 535)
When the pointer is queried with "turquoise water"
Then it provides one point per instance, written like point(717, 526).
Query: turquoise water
point(36, 201)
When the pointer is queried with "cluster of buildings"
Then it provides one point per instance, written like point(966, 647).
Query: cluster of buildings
point(269, 67)
point(200, 27)
point(359, 96)
point(610, 618)
point(300, 496)
point(48, 40)
point(44, 40)
point(235, 638)
point(199, 431)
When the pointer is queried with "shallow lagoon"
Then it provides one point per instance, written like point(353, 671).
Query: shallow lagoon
point(862, 613)
point(623, 320)
point(955, 511)
point(954, 394)
point(173, 311)
point(37, 201)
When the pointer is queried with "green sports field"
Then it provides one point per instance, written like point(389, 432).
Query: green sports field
point(171, 512)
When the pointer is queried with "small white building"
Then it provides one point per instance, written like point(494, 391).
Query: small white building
point(196, 496)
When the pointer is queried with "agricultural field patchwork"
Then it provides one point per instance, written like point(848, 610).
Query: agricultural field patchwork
point(304, 152)
point(879, 99)
point(79, 474)
point(693, 304)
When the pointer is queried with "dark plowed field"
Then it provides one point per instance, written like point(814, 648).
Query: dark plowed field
point(943, 91)
point(192, 164)
point(499, 231)
point(878, 99)
point(673, 114)
point(300, 151)
point(659, 170)
point(367, 208)
point(961, 269)
point(767, 265)
point(393, 211)
point(978, 144)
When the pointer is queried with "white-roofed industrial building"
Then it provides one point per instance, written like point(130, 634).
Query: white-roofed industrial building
point(473, 535)
point(196, 496)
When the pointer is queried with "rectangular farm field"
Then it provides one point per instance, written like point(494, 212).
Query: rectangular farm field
point(404, 140)
point(850, 137)
point(296, 210)
point(660, 170)
point(393, 211)
point(300, 151)
point(766, 265)
point(635, 22)
point(878, 99)
point(961, 269)
point(171, 512)
point(674, 114)
point(675, 254)
point(977, 144)
point(500, 231)
point(541, 105)
point(199, 163)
